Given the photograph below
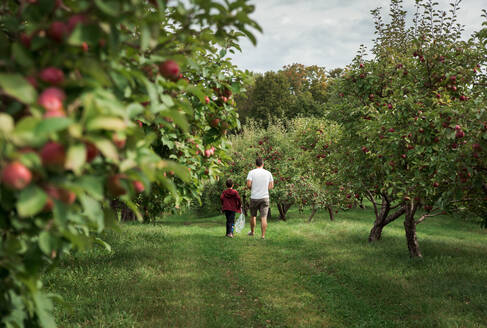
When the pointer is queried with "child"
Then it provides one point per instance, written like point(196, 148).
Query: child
point(231, 203)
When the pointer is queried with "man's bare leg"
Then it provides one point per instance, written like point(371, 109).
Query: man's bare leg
point(253, 223)
point(263, 225)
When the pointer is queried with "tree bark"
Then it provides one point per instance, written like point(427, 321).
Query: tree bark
point(126, 214)
point(283, 208)
point(383, 218)
point(330, 213)
point(313, 212)
point(410, 229)
point(269, 213)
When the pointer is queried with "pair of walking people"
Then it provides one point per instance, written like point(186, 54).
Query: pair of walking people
point(259, 181)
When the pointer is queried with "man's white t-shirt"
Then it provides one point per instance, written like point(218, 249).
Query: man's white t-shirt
point(260, 183)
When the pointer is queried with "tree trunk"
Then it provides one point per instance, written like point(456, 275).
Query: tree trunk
point(410, 229)
point(313, 212)
point(330, 213)
point(127, 214)
point(380, 216)
point(269, 213)
point(383, 218)
point(283, 208)
point(379, 224)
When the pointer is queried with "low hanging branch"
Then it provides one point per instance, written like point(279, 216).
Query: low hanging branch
point(427, 215)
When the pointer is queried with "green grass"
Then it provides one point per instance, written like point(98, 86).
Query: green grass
point(182, 272)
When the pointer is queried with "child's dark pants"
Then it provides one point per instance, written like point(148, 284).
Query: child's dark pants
point(230, 221)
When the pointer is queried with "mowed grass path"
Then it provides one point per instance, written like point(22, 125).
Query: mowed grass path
point(182, 272)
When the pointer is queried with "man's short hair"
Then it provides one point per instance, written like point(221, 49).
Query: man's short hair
point(259, 162)
point(229, 183)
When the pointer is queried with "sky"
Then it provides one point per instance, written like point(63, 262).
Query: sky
point(326, 33)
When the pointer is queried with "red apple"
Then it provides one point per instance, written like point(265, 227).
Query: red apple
point(138, 186)
point(169, 69)
point(52, 100)
point(52, 75)
point(53, 155)
point(91, 151)
point(66, 196)
point(57, 31)
point(25, 40)
point(215, 122)
point(207, 99)
point(436, 184)
point(52, 193)
point(16, 176)
point(119, 141)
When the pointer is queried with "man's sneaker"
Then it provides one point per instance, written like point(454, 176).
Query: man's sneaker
point(250, 233)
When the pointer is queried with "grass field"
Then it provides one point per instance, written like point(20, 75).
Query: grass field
point(182, 272)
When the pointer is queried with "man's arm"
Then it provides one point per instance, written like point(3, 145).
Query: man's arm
point(271, 185)
point(249, 184)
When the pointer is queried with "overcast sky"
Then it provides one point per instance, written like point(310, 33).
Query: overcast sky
point(323, 32)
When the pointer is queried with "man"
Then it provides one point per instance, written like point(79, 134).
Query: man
point(259, 181)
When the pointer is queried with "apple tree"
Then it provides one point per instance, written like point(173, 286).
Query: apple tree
point(321, 183)
point(413, 109)
point(89, 91)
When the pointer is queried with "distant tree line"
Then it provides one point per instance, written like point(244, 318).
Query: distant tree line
point(294, 91)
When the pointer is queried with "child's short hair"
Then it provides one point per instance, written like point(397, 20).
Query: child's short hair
point(229, 183)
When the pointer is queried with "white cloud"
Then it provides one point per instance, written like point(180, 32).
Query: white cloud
point(324, 33)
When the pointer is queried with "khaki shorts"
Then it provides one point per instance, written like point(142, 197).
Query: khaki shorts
point(259, 204)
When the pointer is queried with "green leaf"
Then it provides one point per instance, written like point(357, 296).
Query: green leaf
point(107, 148)
point(93, 211)
point(21, 56)
point(180, 170)
point(110, 8)
point(84, 33)
point(106, 123)
point(17, 87)
point(24, 133)
point(44, 308)
point(31, 201)
point(197, 92)
point(103, 243)
point(76, 158)
point(92, 185)
point(52, 124)
point(6, 123)
point(48, 243)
